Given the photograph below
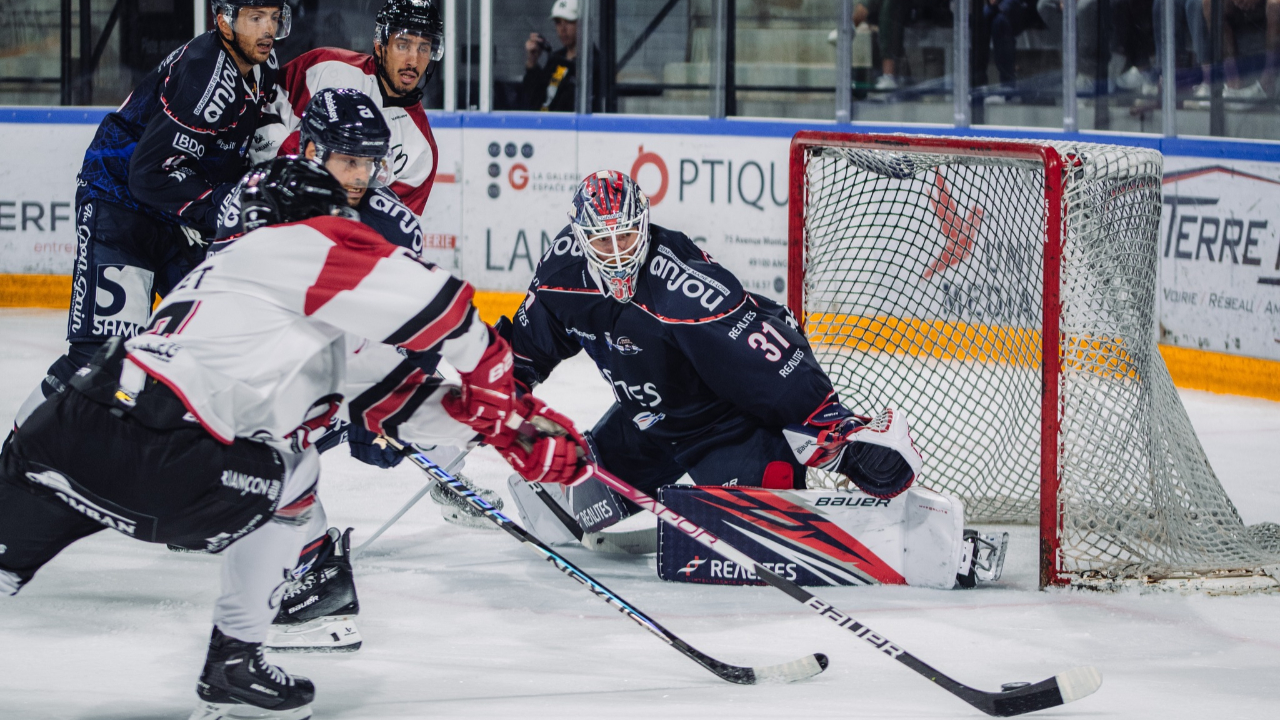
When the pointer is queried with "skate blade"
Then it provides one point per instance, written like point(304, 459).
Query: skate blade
point(461, 518)
point(241, 711)
point(631, 542)
point(336, 633)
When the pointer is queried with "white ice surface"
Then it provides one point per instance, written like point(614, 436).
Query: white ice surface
point(468, 623)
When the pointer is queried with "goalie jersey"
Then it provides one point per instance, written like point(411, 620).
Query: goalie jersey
point(692, 359)
point(310, 314)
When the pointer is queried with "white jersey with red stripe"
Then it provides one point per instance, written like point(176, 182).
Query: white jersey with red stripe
point(268, 338)
point(413, 147)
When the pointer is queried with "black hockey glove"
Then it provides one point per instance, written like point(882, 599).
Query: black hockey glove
point(876, 454)
point(364, 444)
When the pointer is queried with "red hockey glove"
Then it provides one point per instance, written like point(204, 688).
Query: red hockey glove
point(548, 449)
point(487, 400)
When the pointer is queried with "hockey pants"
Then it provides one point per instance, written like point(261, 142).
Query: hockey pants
point(750, 456)
point(76, 467)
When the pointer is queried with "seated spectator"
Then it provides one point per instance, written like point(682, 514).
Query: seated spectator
point(1089, 34)
point(1188, 15)
point(998, 29)
point(1240, 15)
point(887, 15)
point(1135, 38)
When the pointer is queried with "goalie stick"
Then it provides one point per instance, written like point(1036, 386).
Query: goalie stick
point(1060, 689)
point(622, 542)
point(800, 669)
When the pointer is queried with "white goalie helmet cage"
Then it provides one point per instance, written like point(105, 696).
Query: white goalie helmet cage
point(607, 205)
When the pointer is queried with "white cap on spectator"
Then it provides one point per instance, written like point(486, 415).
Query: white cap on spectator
point(565, 10)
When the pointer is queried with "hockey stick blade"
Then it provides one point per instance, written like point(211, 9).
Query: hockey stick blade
point(625, 542)
point(1058, 690)
point(805, 667)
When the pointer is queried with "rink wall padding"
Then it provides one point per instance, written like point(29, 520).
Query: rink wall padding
point(505, 179)
point(35, 291)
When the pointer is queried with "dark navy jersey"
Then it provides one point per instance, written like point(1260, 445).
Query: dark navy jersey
point(380, 209)
point(692, 358)
point(180, 139)
point(383, 211)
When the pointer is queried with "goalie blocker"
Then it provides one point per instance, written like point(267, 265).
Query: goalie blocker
point(823, 537)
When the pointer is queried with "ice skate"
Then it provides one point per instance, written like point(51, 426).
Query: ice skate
point(459, 511)
point(983, 558)
point(238, 683)
point(318, 612)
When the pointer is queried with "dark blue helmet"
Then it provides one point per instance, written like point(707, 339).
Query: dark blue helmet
point(346, 121)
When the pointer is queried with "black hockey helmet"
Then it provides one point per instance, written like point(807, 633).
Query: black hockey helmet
point(288, 189)
point(231, 8)
point(345, 120)
point(414, 17)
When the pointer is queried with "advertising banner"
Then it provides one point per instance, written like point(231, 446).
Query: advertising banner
point(505, 182)
point(516, 188)
point(729, 194)
point(38, 194)
point(1220, 257)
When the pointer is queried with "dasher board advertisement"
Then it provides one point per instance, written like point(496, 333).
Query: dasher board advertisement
point(1220, 256)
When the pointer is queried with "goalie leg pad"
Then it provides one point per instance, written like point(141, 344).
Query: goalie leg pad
point(535, 516)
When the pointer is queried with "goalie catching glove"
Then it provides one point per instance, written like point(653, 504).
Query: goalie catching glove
point(875, 453)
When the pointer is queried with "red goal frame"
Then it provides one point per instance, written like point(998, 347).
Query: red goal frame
point(1051, 571)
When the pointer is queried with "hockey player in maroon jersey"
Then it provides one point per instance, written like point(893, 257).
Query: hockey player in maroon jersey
point(709, 379)
point(200, 432)
point(408, 43)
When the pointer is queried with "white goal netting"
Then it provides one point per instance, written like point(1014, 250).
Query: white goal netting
point(924, 289)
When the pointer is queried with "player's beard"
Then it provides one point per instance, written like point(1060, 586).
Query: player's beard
point(257, 50)
point(395, 84)
point(405, 79)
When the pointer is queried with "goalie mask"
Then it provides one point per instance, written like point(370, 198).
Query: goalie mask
point(610, 221)
point(290, 189)
point(351, 138)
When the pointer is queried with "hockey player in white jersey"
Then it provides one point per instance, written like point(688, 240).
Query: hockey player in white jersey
point(200, 432)
point(408, 45)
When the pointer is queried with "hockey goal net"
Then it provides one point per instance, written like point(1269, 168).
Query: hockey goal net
point(1002, 294)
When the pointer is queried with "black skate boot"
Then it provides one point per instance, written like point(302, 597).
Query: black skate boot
point(318, 612)
point(238, 682)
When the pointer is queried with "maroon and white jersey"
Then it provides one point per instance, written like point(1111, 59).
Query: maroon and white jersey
point(268, 338)
point(413, 148)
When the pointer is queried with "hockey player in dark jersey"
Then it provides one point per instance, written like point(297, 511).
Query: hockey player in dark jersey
point(709, 379)
point(156, 172)
point(200, 431)
point(344, 130)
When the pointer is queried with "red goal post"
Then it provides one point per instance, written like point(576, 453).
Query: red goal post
point(1002, 293)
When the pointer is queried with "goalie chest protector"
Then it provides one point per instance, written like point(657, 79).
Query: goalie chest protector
point(815, 537)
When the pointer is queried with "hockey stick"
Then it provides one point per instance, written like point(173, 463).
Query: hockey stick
point(805, 667)
point(622, 542)
point(454, 463)
point(1060, 689)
